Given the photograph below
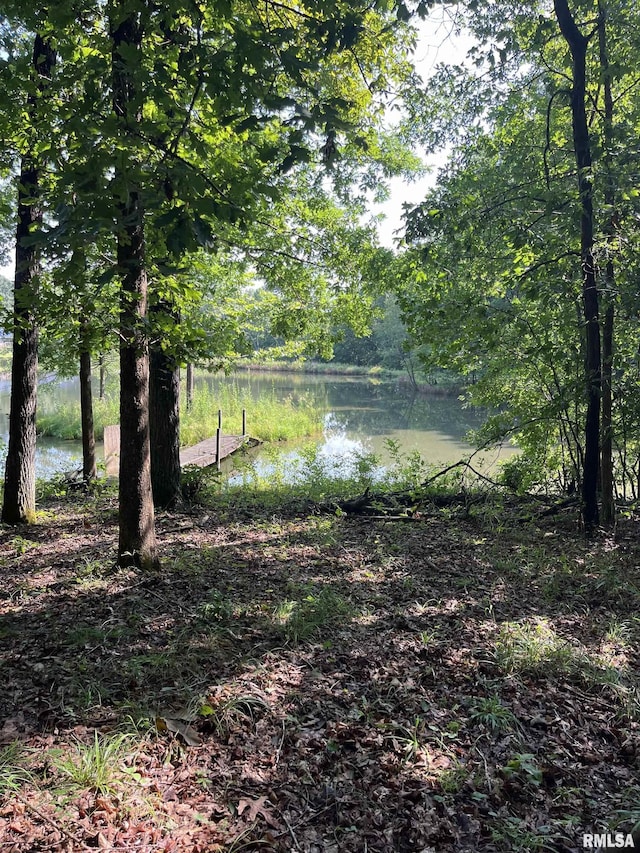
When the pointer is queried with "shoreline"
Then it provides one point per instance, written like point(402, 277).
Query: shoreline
point(347, 371)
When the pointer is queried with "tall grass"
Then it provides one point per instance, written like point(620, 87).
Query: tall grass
point(62, 420)
point(286, 479)
point(268, 418)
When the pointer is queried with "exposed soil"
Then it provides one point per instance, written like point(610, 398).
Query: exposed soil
point(318, 684)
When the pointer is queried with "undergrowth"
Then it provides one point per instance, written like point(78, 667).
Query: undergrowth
point(468, 654)
point(290, 481)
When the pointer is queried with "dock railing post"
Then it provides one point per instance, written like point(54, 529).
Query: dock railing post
point(219, 418)
point(218, 448)
point(244, 422)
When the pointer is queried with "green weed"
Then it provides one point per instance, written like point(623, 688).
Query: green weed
point(196, 483)
point(86, 635)
point(534, 647)
point(453, 778)
point(628, 817)
point(22, 545)
point(429, 637)
point(216, 608)
point(14, 772)
point(301, 619)
point(98, 766)
point(512, 834)
point(492, 714)
point(524, 767)
point(230, 708)
point(410, 740)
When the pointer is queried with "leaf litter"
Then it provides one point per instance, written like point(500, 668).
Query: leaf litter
point(318, 684)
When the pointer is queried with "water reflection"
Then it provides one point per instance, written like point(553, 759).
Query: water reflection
point(336, 455)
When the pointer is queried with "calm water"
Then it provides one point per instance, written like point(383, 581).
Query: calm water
point(364, 413)
point(52, 455)
point(359, 415)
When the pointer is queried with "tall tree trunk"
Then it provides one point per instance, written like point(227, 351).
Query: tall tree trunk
point(190, 386)
point(593, 378)
point(164, 413)
point(137, 540)
point(607, 479)
point(89, 469)
point(606, 465)
point(19, 501)
point(101, 367)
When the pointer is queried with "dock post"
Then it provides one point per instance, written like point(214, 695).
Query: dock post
point(219, 418)
point(218, 448)
point(244, 422)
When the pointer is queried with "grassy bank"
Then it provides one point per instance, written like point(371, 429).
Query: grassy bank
point(62, 420)
point(463, 681)
point(319, 368)
point(440, 382)
point(267, 418)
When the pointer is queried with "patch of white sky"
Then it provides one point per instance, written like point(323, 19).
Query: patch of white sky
point(442, 39)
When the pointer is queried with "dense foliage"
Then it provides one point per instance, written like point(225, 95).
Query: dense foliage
point(497, 280)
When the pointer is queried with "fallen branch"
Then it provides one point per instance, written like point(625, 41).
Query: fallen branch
point(567, 502)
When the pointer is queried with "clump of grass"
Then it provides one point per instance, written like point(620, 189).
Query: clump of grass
point(628, 817)
point(452, 779)
point(409, 739)
point(514, 834)
point(268, 418)
point(301, 619)
point(534, 647)
point(492, 714)
point(14, 772)
point(97, 766)
point(232, 706)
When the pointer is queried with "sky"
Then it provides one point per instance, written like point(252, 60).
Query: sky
point(438, 42)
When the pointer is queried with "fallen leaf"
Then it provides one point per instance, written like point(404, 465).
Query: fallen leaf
point(189, 736)
point(255, 808)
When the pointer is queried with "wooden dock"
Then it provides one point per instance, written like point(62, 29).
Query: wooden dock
point(202, 455)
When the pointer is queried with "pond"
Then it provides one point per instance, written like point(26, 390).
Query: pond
point(359, 416)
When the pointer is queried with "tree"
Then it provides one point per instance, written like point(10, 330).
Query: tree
point(19, 484)
point(496, 287)
point(578, 44)
point(137, 540)
point(185, 123)
point(164, 415)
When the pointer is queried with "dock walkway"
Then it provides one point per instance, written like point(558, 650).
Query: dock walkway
point(202, 455)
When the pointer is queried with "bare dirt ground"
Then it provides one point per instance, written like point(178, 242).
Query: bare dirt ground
point(317, 683)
